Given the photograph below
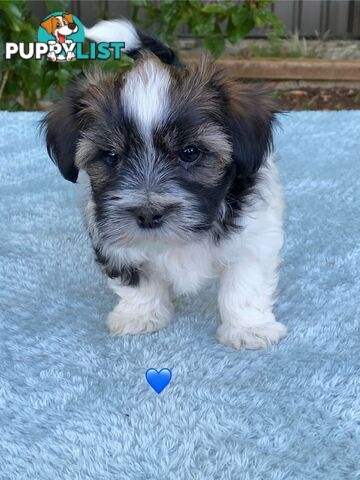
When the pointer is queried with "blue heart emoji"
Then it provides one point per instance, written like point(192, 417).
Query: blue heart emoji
point(158, 380)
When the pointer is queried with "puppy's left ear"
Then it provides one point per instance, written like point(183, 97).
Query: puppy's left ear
point(250, 115)
point(62, 130)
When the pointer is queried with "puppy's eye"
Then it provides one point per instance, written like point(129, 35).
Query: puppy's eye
point(111, 158)
point(189, 154)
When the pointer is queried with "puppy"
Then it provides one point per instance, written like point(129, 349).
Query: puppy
point(182, 186)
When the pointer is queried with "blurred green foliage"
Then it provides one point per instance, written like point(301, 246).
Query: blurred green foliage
point(18, 79)
point(211, 22)
point(25, 84)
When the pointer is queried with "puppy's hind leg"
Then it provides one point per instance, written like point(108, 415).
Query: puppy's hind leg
point(146, 307)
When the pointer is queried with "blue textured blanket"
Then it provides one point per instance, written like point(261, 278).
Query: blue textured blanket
point(74, 402)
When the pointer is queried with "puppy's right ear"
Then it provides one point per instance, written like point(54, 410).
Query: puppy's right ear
point(62, 129)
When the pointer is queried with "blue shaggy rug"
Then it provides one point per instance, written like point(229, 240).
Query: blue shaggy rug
point(74, 402)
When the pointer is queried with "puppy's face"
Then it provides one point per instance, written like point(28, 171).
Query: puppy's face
point(161, 146)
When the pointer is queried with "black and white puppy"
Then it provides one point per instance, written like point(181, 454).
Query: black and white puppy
point(182, 186)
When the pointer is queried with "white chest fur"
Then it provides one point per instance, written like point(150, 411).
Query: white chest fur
point(187, 267)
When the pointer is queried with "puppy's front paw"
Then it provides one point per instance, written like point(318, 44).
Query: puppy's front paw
point(251, 337)
point(123, 321)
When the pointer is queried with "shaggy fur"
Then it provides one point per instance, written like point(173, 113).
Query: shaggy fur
point(74, 402)
point(182, 186)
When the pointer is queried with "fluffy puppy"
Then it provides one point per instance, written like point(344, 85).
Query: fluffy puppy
point(182, 186)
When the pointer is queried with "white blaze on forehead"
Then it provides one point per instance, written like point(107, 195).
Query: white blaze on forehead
point(145, 96)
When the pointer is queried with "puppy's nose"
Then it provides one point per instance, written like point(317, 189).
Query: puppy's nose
point(148, 218)
point(72, 26)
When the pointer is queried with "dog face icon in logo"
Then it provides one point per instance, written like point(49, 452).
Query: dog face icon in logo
point(63, 29)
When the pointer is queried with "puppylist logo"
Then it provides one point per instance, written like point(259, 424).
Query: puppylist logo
point(61, 38)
